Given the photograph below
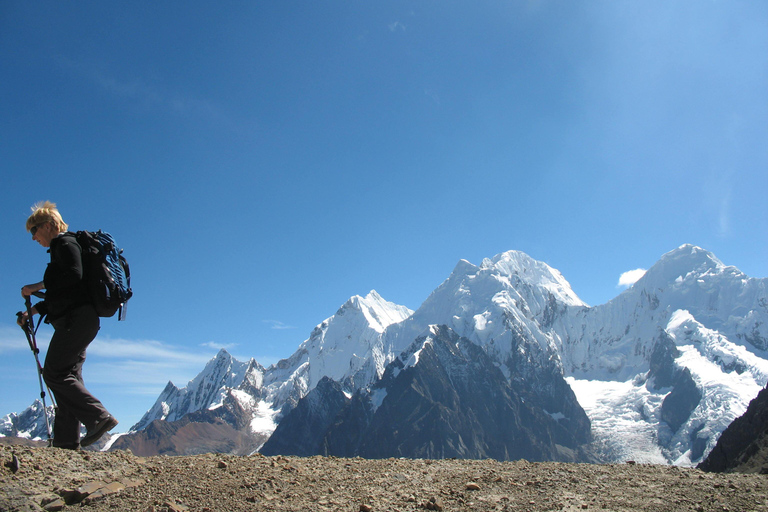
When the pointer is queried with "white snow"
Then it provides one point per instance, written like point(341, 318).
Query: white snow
point(263, 421)
point(111, 441)
point(377, 397)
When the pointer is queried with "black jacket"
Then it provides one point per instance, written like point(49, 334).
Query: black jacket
point(65, 288)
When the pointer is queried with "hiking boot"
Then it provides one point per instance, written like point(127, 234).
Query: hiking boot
point(99, 430)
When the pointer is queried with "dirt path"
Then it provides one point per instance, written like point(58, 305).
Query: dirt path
point(45, 478)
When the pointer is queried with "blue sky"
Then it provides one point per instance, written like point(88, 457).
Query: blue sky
point(261, 162)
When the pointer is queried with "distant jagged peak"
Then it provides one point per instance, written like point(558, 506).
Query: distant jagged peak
point(379, 312)
point(223, 368)
point(222, 354)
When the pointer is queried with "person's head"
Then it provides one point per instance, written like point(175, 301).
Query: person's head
point(45, 223)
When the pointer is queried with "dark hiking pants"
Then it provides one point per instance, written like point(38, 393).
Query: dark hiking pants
point(63, 372)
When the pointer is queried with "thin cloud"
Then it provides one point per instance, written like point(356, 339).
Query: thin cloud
point(630, 277)
point(13, 339)
point(396, 26)
point(145, 350)
point(725, 213)
point(219, 346)
point(134, 90)
point(146, 95)
point(278, 325)
point(141, 92)
point(143, 364)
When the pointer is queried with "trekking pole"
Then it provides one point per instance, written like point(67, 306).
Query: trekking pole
point(29, 329)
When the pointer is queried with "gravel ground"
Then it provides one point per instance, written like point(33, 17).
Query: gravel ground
point(53, 479)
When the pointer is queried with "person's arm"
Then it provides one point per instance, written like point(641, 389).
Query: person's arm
point(29, 289)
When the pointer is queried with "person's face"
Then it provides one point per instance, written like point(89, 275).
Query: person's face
point(43, 233)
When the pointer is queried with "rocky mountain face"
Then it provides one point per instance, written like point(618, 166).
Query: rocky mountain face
point(443, 397)
point(501, 358)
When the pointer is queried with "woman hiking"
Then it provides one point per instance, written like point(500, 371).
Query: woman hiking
point(75, 323)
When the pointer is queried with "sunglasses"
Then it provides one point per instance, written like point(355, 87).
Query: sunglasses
point(35, 228)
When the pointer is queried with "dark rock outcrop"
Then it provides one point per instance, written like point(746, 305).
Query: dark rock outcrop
point(443, 398)
point(302, 430)
point(743, 446)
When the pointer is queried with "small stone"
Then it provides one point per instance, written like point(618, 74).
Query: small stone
point(104, 491)
point(366, 508)
point(55, 505)
point(14, 464)
point(433, 504)
point(472, 486)
point(128, 482)
point(175, 507)
point(90, 488)
point(223, 465)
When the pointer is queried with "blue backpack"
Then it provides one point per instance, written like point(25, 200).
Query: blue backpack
point(106, 272)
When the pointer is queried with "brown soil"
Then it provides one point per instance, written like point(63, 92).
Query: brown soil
point(33, 478)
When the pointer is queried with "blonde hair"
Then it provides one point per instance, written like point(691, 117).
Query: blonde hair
point(46, 211)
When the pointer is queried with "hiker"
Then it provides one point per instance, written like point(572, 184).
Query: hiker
point(75, 323)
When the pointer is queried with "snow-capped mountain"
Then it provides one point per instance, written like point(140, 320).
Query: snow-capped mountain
point(654, 375)
point(717, 321)
point(221, 378)
point(346, 347)
point(29, 424)
point(506, 306)
point(612, 341)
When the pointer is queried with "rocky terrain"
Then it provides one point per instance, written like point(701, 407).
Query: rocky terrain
point(38, 478)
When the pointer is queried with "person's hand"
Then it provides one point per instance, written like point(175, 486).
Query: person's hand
point(21, 318)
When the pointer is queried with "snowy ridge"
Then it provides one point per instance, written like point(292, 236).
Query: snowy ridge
point(483, 303)
point(346, 347)
point(207, 390)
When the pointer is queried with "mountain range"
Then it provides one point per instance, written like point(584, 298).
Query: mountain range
point(502, 360)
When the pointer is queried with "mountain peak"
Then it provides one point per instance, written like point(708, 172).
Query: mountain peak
point(692, 254)
point(686, 262)
point(378, 312)
point(223, 354)
point(533, 272)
